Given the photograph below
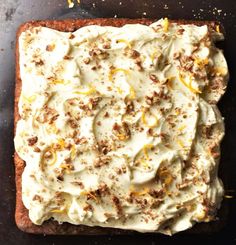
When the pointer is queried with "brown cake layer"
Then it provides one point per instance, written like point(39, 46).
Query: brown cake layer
point(52, 227)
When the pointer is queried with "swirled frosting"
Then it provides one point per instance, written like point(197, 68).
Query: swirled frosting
point(119, 126)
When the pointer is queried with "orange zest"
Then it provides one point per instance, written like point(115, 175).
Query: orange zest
point(144, 120)
point(146, 147)
point(73, 152)
point(188, 85)
point(57, 81)
point(54, 156)
point(128, 44)
point(90, 90)
point(116, 70)
point(132, 94)
point(29, 99)
point(165, 24)
point(58, 210)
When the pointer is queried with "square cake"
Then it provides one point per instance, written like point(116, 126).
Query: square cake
point(117, 124)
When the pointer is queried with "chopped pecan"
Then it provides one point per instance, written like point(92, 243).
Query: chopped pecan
point(47, 115)
point(154, 98)
point(101, 161)
point(39, 62)
point(214, 150)
point(117, 204)
point(180, 31)
point(37, 149)
point(32, 141)
point(129, 106)
point(88, 207)
point(134, 54)
point(81, 141)
point(106, 45)
point(72, 123)
point(37, 198)
point(78, 183)
point(93, 102)
point(67, 57)
point(122, 132)
point(100, 54)
point(50, 47)
point(72, 36)
point(138, 62)
point(156, 193)
point(104, 147)
point(86, 60)
point(154, 78)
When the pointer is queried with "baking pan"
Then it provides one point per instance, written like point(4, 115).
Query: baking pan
point(15, 12)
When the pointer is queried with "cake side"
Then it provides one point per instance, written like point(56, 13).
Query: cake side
point(21, 213)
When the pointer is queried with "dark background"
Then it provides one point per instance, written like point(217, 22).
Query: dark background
point(15, 12)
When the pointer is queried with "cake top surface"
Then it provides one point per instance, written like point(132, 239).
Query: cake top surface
point(119, 126)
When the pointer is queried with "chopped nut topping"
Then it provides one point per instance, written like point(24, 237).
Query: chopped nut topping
point(32, 141)
point(134, 54)
point(37, 198)
point(101, 161)
point(106, 45)
point(37, 149)
point(50, 47)
point(154, 78)
point(87, 60)
point(117, 204)
point(180, 31)
point(122, 132)
point(67, 57)
point(78, 183)
point(156, 193)
point(100, 54)
point(129, 106)
point(72, 36)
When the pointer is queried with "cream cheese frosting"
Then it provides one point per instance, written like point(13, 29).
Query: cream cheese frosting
point(119, 126)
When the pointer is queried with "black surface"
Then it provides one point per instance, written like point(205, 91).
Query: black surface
point(15, 12)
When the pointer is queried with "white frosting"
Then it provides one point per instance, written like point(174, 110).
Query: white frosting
point(158, 171)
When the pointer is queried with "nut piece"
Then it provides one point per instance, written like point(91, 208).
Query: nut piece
point(122, 132)
point(32, 141)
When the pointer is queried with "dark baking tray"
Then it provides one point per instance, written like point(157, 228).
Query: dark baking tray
point(15, 12)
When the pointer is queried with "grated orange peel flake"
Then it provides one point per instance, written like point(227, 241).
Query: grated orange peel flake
point(201, 63)
point(146, 147)
point(73, 152)
point(59, 81)
point(84, 193)
point(116, 70)
point(90, 90)
point(166, 176)
point(58, 210)
point(144, 120)
point(182, 127)
point(140, 193)
point(188, 85)
point(29, 99)
point(154, 55)
point(169, 82)
point(132, 94)
point(128, 44)
point(51, 128)
point(165, 24)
